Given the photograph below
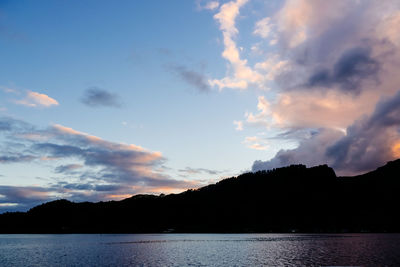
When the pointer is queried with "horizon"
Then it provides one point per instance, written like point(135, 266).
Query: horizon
point(102, 101)
point(234, 177)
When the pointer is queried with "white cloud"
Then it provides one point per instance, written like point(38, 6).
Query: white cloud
point(239, 125)
point(263, 27)
point(212, 5)
point(242, 75)
point(254, 142)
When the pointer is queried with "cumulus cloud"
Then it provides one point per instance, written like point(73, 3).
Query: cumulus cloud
point(311, 151)
point(241, 74)
point(97, 97)
point(368, 143)
point(35, 99)
point(330, 64)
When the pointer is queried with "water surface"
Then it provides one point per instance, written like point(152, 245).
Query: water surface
point(201, 250)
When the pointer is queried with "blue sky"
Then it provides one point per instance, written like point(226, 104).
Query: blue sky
point(202, 89)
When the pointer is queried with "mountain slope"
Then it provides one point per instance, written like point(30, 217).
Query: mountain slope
point(293, 198)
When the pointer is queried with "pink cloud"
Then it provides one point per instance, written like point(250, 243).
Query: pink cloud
point(35, 99)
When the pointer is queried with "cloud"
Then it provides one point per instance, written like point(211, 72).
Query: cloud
point(370, 141)
point(239, 125)
point(241, 74)
point(70, 168)
point(255, 142)
point(326, 66)
point(263, 118)
point(263, 27)
point(209, 5)
point(299, 109)
point(91, 168)
point(192, 171)
point(16, 158)
point(366, 144)
point(23, 197)
point(191, 77)
point(349, 71)
point(212, 5)
point(35, 99)
point(9, 90)
point(311, 151)
point(97, 97)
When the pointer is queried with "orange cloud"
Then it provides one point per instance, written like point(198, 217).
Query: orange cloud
point(396, 150)
point(34, 99)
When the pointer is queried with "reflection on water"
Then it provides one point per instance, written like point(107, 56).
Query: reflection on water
point(200, 250)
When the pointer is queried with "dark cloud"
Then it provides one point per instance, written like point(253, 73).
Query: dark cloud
point(311, 151)
point(119, 164)
point(16, 158)
point(8, 124)
point(70, 168)
point(78, 186)
point(189, 171)
point(370, 141)
point(191, 77)
point(367, 144)
point(23, 197)
point(5, 126)
point(354, 66)
point(58, 151)
point(97, 97)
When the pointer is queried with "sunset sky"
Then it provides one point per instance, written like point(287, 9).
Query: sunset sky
point(101, 100)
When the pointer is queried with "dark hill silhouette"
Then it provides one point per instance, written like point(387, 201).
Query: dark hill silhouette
point(288, 199)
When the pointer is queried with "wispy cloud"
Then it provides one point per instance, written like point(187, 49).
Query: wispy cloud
point(255, 142)
point(263, 27)
point(191, 171)
point(70, 168)
point(328, 64)
point(35, 99)
point(239, 125)
point(208, 5)
point(16, 158)
point(191, 77)
point(97, 97)
point(212, 5)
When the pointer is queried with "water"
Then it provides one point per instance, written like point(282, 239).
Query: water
point(201, 250)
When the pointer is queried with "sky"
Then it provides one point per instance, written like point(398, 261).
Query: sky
point(103, 100)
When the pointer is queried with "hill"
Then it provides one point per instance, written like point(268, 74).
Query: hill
point(289, 199)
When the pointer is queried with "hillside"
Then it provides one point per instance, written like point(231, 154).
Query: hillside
point(288, 199)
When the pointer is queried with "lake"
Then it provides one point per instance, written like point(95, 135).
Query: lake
point(200, 250)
